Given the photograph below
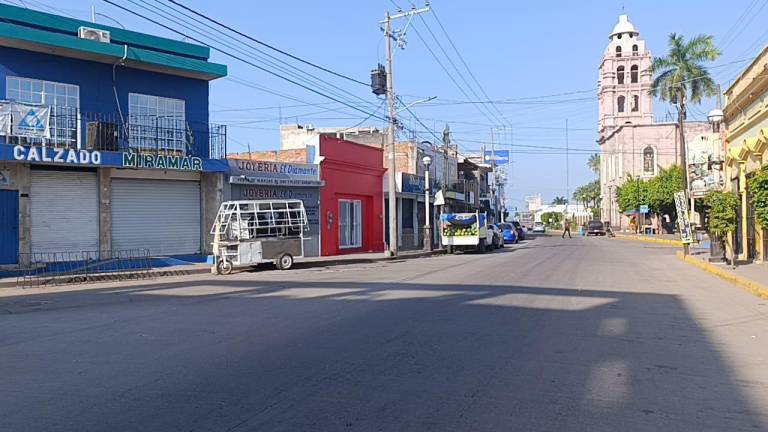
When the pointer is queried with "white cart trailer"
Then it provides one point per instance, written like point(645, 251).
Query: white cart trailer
point(247, 233)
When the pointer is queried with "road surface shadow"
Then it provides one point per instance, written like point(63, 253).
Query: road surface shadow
point(297, 355)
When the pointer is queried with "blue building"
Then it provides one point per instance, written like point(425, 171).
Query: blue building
point(105, 143)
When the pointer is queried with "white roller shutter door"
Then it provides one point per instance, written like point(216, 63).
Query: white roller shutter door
point(160, 215)
point(65, 211)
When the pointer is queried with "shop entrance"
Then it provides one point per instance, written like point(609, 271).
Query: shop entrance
point(9, 226)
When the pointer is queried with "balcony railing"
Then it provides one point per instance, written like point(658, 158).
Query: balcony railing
point(72, 128)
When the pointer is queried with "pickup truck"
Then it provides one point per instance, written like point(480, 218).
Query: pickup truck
point(465, 232)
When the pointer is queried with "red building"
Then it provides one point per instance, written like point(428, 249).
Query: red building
point(352, 200)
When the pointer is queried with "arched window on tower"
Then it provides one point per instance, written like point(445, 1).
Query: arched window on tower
point(618, 51)
point(649, 161)
point(633, 74)
point(635, 103)
point(620, 101)
point(620, 75)
point(634, 50)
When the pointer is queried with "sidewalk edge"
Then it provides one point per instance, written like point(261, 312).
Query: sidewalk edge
point(749, 285)
point(649, 240)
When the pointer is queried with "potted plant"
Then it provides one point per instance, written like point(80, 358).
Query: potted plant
point(722, 221)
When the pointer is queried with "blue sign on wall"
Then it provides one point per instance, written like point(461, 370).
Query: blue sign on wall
point(82, 157)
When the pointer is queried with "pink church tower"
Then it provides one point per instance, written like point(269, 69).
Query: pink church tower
point(625, 79)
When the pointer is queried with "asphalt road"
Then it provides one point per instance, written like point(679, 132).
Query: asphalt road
point(555, 335)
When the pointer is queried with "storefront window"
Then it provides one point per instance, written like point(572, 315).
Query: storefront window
point(156, 123)
point(350, 224)
point(64, 100)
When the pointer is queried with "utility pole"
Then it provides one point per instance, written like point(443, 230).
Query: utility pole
point(392, 195)
point(391, 140)
point(567, 169)
point(493, 176)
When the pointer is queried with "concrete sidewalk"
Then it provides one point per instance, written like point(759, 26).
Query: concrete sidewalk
point(751, 277)
point(193, 269)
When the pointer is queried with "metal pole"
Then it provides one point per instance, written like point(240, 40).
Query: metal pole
point(567, 170)
point(683, 158)
point(427, 224)
point(391, 139)
point(493, 176)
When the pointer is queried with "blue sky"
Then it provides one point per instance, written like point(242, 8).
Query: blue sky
point(515, 50)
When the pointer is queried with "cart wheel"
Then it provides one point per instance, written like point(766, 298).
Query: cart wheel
point(284, 262)
point(224, 267)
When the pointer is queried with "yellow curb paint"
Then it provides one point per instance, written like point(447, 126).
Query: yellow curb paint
point(650, 240)
point(753, 287)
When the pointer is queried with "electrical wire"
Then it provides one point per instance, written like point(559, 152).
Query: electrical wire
point(272, 47)
point(229, 54)
point(278, 64)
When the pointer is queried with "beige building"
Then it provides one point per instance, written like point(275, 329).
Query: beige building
point(746, 119)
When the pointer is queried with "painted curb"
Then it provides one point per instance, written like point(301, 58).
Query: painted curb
point(650, 240)
point(755, 288)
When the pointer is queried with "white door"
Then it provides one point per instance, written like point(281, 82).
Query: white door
point(65, 213)
point(160, 215)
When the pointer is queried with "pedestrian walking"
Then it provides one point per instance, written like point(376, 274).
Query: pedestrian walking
point(567, 228)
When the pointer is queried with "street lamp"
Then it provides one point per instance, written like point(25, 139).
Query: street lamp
point(426, 160)
point(715, 117)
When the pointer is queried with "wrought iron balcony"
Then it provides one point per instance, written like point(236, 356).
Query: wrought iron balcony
point(72, 128)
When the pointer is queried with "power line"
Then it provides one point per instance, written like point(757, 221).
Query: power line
point(288, 69)
point(272, 47)
point(227, 53)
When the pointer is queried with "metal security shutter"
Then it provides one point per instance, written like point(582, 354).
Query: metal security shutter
point(65, 211)
point(160, 215)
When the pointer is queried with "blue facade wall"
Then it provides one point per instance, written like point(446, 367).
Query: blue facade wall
point(95, 82)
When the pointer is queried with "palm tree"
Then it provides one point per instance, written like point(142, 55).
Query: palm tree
point(682, 75)
point(559, 200)
point(594, 163)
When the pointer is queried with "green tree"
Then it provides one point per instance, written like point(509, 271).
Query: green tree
point(559, 200)
point(632, 194)
point(552, 219)
point(758, 189)
point(594, 163)
point(662, 189)
point(722, 212)
point(681, 75)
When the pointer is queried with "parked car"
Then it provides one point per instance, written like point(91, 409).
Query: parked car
point(509, 233)
point(538, 227)
point(497, 240)
point(520, 230)
point(595, 227)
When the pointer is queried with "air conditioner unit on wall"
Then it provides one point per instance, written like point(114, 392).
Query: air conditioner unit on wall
point(93, 34)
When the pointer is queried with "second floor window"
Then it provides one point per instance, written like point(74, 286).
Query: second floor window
point(633, 74)
point(157, 123)
point(620, 74)
point(64, 100)
point(620, 101)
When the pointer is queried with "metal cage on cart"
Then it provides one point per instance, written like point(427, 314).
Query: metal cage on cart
point(247, 233)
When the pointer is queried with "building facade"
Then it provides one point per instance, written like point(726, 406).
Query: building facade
point(632, 144)
point(251, 179)
point(746, 120)
point(105, 143)
point(352, 199)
